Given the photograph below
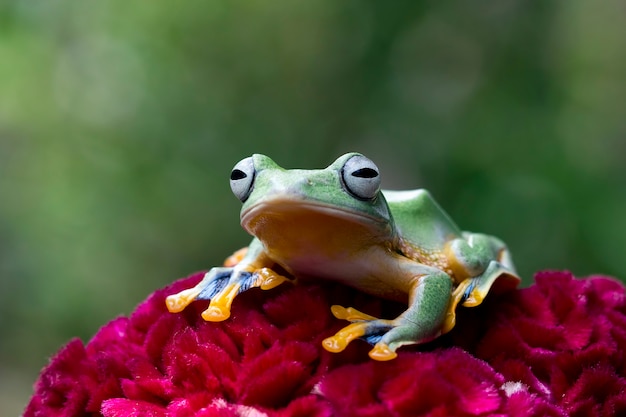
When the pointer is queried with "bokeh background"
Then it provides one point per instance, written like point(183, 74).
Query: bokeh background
point(120, 122)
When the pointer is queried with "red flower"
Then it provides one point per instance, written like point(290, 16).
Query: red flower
point(554, 349)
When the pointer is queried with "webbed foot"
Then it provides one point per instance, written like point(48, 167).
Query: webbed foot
point(363, 326)
point(221, 286)
point(472, 291)
point(420, 323)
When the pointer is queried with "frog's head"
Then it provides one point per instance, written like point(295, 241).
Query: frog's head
point(274, 199)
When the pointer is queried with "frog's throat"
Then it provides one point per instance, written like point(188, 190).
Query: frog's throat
point(285, 206)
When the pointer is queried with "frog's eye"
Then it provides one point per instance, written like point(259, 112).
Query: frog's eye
point(242, 178)
point(360, 177)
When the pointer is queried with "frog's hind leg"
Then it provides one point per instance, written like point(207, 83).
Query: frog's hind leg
point(472, 291)
point(481, 285)
point(488, 264)
point(421, 322)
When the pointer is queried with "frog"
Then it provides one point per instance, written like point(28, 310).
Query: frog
point(337, 224)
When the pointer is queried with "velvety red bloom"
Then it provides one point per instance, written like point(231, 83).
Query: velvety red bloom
point(556, 348)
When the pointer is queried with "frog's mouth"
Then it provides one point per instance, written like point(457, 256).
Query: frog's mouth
point(310, 221)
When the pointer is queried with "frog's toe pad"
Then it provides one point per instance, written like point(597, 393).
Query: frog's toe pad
point(176, 303)
point(335, 344)
point(268, 279)
point(216, 313)
point(382, 352)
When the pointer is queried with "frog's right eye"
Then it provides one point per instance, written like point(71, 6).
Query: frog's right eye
point(242, 179)
point(361, 178)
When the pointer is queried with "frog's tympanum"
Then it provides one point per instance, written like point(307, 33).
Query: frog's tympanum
point(337, 224)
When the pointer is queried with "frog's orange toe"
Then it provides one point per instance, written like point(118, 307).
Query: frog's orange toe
point(382, 352)
point(343, 337)
point(176, 303)
point(350, 314)
point(339, 312)
point(334, 344)
point(270, 279)
point(215, 313)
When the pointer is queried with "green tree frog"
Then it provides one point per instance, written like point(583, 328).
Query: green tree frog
point(337, 224)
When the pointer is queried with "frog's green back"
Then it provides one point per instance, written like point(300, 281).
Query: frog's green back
point(419, 219)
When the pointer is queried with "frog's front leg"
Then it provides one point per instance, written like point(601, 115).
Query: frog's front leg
point(222, 284)
point(421, 322)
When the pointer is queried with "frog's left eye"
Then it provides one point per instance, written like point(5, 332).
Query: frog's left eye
point(360, 177)
point(242, 179)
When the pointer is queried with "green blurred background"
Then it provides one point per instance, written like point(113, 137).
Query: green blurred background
point(120, 122)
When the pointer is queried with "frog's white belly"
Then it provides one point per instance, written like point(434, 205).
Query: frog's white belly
point(372, 271)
